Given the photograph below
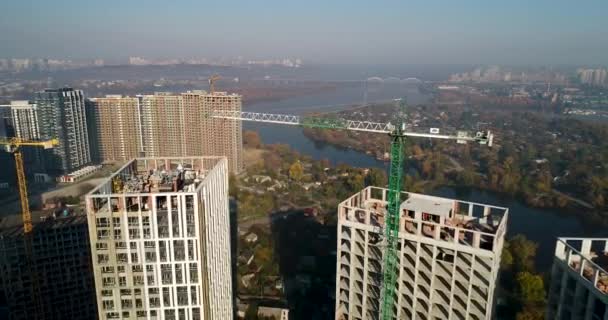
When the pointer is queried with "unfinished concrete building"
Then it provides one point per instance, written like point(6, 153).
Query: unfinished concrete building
point(160, 240)
point(61, 263)
point(579, 280)
point(448, 250)
point(115, 128)
point(167, 125)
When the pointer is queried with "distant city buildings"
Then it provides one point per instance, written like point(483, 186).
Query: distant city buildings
point(62, 267)
point(166, 125)
point(284, 62)
point(498, 74)
point(160, 238)
point(579, 280)
point(26, 64)
point(596, 77)
point(61, 115)
point(448, 257)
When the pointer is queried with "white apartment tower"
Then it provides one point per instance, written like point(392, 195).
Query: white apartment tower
point(448, 250)
point(160, 240)
point(579, 280)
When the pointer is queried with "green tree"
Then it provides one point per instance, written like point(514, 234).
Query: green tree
point(233, 188)
point(530, 288)
point(376, 177)
point(523, 252)
point(296, 171)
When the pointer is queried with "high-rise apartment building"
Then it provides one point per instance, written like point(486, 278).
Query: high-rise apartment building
point(579, 280)
point(62, 266)
point(160, 240)
point(448, 257)
point(167, 125)
point(61, 115)
point(20, 119)
point(114, 127)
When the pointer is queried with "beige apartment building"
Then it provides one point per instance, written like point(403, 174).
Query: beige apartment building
point(159, 232)
point(116, 127)
point(167, 125)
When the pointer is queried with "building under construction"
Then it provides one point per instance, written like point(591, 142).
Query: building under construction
point(60, 261)
point(160, 238)
point(448, 256)
point(166, 125)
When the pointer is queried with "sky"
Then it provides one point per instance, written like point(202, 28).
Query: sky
point(515, 32)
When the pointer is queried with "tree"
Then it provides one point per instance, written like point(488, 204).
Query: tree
point(251, 139)
point(531, 313)
point(233, 188)
point(296, 171)
point(523, 252)
point(376, 177)
point(272, 162)
point(530, 288)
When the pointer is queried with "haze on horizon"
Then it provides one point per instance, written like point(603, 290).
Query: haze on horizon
point(372, 32)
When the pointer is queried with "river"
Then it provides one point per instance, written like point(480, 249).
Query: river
point(540, 225)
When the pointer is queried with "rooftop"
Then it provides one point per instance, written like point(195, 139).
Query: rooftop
point(588, 257)
point(158, 175)
point(465, 223)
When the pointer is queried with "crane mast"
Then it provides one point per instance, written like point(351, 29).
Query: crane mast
point(397, 135)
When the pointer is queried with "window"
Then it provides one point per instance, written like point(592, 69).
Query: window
point(107, 269)
point(103, 234)
point(137, 268)
point(154, 302)
point(133, 245)
point(134, 233)
point(102, 222)
point(150, 256)
point(126, 304)
point(116, 222)
point(138, 280)
point(108, 282)
point(133, 221)
point(117, 234)
point(103, 258)
point(108, 305)
point(134, 258)
point(106, 293)
point(101, 246)
point(122, 257)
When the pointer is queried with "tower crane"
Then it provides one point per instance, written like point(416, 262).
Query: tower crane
point(398, 133)
point(13, 145)
point(212, 81)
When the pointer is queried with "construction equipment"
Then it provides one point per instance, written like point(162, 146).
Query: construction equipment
point(212, 81)
point(398, 133)
point(13, 145)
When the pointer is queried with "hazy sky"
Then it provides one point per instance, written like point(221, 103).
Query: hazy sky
point(326, 31)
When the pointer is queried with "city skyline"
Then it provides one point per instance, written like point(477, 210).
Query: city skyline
point(552, 32)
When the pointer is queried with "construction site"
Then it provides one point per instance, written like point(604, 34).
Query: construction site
point(448, 257)
point(160, 240)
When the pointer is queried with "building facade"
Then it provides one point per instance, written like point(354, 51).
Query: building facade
point(448, 257)
point(61, 115)
point(167, 125)
point(160, 240)
point(62, 263)
point(114, 128)
point(579, 280)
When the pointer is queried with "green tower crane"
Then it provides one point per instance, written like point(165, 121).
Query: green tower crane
point(398, 134)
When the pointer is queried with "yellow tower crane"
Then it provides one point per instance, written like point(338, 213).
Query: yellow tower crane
point(13, 145)
point(212, 81)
